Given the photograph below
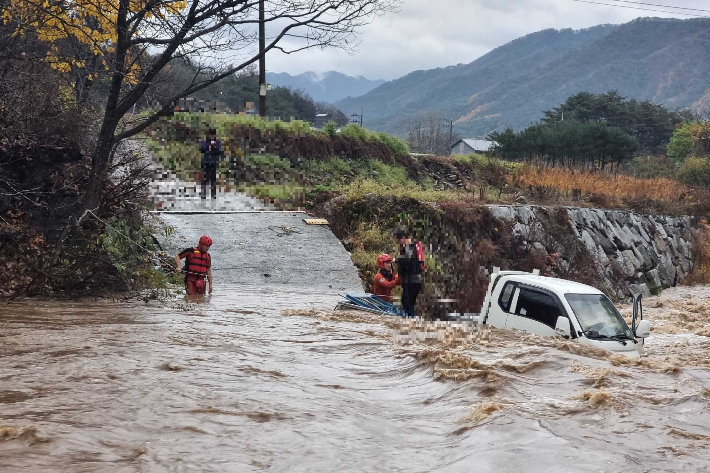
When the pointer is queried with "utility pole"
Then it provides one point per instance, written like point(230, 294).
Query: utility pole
point(262, 61)
point(451, 129)
point(356, 116)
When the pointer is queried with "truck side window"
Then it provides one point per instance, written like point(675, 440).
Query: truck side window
point(506, 296)
point(538, 306)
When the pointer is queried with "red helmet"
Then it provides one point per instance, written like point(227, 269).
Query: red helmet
point(205, 240)
point(382, 259)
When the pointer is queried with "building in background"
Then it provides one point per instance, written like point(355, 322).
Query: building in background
point(471, 145)
point(321, 119)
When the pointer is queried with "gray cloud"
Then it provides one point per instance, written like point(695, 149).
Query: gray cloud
point(426, 34)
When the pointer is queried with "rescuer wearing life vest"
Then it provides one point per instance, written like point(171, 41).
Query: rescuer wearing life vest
point(198, 265)
point(385, 280)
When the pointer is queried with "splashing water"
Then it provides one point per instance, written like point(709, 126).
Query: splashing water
point(250, 380)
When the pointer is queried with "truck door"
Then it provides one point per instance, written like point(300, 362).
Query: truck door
point(501, 304)
point(535, 311)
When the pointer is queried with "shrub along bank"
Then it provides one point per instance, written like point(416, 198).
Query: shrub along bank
point(46, 251)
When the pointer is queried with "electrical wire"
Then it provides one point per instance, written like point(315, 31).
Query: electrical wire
point(644, 9)
point(662, 6)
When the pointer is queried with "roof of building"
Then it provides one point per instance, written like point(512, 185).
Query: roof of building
point(321, 114)
point(478, 145)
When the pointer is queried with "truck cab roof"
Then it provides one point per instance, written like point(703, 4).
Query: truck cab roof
point(559, 286)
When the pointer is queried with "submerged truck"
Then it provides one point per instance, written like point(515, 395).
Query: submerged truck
point(556, 307)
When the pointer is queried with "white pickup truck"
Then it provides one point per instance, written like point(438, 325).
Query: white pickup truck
point(557, 307)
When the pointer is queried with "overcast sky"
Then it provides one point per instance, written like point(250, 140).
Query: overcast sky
point(426, 34)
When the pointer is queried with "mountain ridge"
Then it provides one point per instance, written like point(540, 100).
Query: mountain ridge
point(662, 60)
point(327, 86)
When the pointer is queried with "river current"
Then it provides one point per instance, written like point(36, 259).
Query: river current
point(259, 380)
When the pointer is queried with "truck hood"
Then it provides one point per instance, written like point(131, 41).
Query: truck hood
point(631, 349)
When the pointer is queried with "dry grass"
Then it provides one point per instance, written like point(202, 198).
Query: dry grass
point(701, 263)
point(588, 182)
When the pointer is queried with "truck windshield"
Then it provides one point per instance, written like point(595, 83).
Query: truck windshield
point(596, 312)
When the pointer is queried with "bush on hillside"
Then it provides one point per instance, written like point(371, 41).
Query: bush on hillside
point(330, 128)
point(680, 144)
point(652, 167)
point(477, 160)
point(398, 147)
point(691, 139)
point(352, 130)
point(695, 172)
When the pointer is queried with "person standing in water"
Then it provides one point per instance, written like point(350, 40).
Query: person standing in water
point(409, 265)
point(198, 266)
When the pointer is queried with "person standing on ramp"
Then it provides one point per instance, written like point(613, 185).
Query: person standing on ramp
point(198, 266)
point(211, 150)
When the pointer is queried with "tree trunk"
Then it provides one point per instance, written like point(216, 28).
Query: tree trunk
point(99, 164)
point(104, 146)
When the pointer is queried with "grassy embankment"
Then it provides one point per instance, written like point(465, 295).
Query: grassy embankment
point(440, 198)
point(274, 175)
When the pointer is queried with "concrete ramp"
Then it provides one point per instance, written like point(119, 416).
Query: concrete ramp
point(275, 250)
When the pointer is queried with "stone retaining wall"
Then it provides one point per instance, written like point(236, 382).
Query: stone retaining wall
point(649, 252)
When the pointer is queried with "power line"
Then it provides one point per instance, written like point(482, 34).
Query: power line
point(639, 8)
point(662, 6)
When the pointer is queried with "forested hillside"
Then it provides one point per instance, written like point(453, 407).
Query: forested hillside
point(661, 60)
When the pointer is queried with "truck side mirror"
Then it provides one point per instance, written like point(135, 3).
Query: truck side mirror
point(562, 327)
point(643, 329)
point(639, 327)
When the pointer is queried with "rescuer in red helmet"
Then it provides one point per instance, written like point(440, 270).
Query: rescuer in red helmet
point(385, 280)
point(198, 265)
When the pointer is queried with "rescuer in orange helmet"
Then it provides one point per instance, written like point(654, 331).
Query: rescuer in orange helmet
point(198, 265)
point(385, 280)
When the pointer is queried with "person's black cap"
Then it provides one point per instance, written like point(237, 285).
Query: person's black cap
point(212, 131)
point(399, 234)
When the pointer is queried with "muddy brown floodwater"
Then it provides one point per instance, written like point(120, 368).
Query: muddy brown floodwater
point(275, 381)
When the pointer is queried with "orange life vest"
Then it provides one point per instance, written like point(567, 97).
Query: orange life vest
point(198, 263)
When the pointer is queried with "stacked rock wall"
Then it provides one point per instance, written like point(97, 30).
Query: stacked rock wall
point(648, 251)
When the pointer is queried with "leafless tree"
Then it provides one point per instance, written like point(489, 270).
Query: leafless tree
point(426, 134)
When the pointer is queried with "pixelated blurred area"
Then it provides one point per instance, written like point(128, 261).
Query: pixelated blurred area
point(449, 333)
point(169, 192)
point(262, 162)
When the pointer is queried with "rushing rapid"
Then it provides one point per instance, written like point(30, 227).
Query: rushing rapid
point(252, 380)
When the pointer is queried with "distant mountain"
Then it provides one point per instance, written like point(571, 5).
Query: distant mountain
point(666, 61)
point(326, 87)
